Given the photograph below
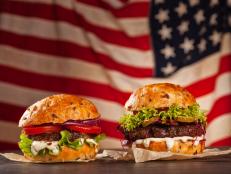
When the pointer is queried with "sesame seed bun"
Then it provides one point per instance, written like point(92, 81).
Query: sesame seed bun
point(58, 109)
point(161, 95)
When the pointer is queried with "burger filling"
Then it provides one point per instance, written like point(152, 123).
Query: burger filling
point(49, 139)
point(163, 123)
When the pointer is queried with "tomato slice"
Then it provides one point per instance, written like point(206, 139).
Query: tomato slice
point(33, 130)
point(85, 129)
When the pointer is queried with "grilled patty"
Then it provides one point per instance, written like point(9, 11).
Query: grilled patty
point(161, 131)
point(57, 136)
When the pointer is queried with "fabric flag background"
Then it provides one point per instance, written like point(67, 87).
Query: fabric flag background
point(103, 50)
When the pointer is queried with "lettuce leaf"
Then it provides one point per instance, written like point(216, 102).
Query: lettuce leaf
point(25, 144)
point(129, 122)
point(65, 140)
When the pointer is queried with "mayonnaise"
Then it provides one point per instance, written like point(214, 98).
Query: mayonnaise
point(169, 141)
point(39, 145)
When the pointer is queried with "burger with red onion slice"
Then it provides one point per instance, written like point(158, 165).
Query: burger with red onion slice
point(60, 128)
point(164, 117)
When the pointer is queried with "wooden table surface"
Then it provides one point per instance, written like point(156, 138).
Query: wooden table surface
point(220, 165)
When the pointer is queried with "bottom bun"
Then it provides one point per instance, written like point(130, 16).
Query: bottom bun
point(67, 154)
point(188, 147)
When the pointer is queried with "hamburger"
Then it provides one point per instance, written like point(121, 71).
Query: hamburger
point(164, 117)
point(60, 128)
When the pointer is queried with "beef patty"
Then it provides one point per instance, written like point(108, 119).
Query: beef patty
point(57, 136)
point(161, 131)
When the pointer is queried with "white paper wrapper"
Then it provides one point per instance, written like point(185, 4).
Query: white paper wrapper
point(21, 158)
point(137, 154)
point(142, 155)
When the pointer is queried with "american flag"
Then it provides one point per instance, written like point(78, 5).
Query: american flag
point(103, 50)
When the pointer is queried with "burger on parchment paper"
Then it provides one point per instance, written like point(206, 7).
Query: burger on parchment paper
point(60, 128)
point(164, 117)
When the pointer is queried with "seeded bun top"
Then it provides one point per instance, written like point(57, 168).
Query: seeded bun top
point(58, 109)
point(161, 95)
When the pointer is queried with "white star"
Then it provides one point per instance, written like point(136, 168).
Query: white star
point(158, 1)
point(213, 19)
point(202, 45)
point(229, 3)
point(168, 52)
point(168, 69)
point(162, 16)
point(215, 38)
point(199, 16)
point(187, 45)
point(193, 2)
point(183, 27)
point(165, 32)
point(213, 3)
point(181, 9)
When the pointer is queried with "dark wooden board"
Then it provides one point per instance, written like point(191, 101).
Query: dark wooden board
point(219, 165)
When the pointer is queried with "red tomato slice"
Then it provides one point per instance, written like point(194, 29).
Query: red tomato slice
point(85, 129)
point(41, 129)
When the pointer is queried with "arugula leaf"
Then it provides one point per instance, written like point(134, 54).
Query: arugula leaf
point(25, 144)
point(130, 122)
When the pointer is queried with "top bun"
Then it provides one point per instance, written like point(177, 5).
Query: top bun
point(58, 109)
point(161, 95)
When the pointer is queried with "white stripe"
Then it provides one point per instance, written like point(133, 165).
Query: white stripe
point(66, 32)
point(9, 132)
point(219, 129)
point(110, 143)
point(109, 110)
point(98, 16)
point(222, 88)
point(13, 132)
point(74, 68)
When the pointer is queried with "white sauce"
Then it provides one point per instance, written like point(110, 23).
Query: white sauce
point(170, 141)
point(39, 145)
point(88, 140)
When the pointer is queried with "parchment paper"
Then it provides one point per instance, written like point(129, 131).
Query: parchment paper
point(137, 154)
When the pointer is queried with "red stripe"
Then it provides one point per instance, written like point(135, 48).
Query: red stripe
point(73, 17)
point(83, 87)
point(62, 85)
point(7, 147)
point(67, 49)
point(220, 107)
point(223, 142)
point(205, 86)
point(110, 129)
point(135, 9)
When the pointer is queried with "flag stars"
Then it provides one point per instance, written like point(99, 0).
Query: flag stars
point(213, 20)
point(202, 31)
point(193, 2)
point(162, 16)
point(165, 32)
point(181, 9)
point(183, 27)
point(213, 3)
point(215, 38)
point(187, 45)
point(168, 69)
point(199, 16)
point(202, 45)
point(168, 52)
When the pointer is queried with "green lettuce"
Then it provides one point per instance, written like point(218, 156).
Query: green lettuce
point(25, 144)
point(129, 122)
